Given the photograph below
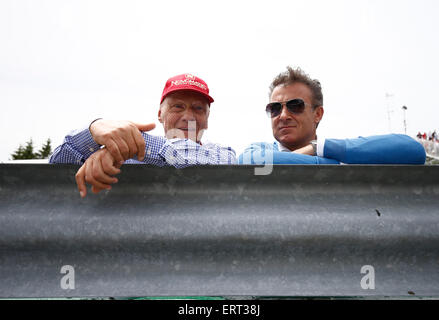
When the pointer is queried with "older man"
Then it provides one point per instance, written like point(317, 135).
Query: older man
point(105, 145)
point(296, 109)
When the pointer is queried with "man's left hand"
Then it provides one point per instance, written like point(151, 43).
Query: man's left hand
point(305, 150)
point(98, 171)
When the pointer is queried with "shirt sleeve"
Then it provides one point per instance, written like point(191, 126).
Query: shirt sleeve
point(182, 153)
point(380, 149)
point(320, 146)
point(264, 153)
point(78, 145)
point(153, 145)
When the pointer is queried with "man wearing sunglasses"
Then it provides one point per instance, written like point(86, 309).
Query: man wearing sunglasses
point(105, 145)
point(296, 109)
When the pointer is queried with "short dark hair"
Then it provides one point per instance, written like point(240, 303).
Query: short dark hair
point(298, 75)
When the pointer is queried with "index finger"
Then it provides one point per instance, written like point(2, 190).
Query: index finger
point(140, 142)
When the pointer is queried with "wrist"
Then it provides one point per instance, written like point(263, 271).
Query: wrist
point(91, 126)
point(308, 150)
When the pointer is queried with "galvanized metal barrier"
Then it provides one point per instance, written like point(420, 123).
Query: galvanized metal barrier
point(221, 231)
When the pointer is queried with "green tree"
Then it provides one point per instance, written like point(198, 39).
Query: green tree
point(45, 150)
point(27, 152)
point(18, 154)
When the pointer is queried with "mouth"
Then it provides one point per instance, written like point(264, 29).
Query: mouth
point(286, 127)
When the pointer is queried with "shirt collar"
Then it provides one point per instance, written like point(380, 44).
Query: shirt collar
point(283, 148)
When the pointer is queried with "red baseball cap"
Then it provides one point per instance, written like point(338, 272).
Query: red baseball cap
point(186, 82)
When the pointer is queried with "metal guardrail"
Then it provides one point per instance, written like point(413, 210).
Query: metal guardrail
point(221, 231)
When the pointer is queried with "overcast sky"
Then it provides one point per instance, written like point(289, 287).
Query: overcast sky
point(65, 63)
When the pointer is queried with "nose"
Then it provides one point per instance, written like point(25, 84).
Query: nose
point(284, 113)
point(188, 115)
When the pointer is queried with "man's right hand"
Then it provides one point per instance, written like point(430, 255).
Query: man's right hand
point(121, 138)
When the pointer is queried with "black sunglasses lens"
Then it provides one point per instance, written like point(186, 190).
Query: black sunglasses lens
point(273, 109)
point(296, 105)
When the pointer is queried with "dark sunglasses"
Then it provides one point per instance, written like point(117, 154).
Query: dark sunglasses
point(295, 106)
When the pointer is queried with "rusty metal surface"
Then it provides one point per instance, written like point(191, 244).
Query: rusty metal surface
point(221, 231)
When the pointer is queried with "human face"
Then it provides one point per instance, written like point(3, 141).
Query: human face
point(184, 114)
point(295, 131)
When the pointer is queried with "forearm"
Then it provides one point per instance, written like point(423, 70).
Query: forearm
point(153, 145)
point(260, 154)
point(182, 153)
point(76, 148)
point(381, 149)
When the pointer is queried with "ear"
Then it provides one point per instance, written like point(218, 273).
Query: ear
point(207, 118)
point(160, 115)
point(318, 114)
